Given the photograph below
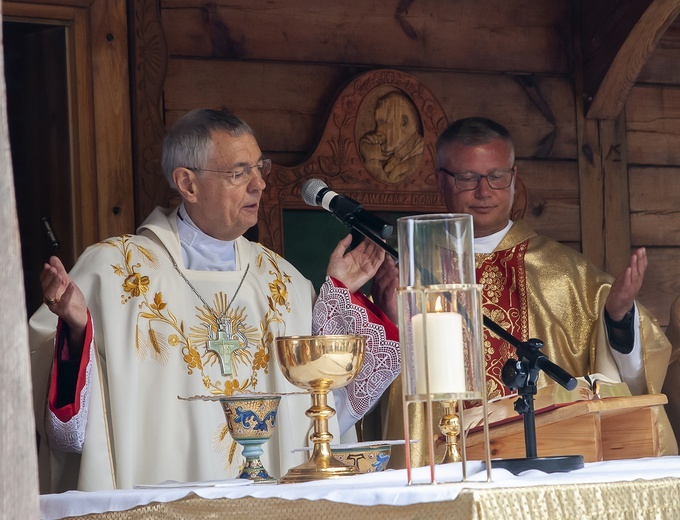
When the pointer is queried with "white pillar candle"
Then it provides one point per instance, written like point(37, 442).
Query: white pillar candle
point(446, 361)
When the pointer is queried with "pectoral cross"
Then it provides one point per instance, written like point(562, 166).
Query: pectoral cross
point(224, 345)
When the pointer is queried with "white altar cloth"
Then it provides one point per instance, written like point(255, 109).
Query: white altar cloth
point(385, 488)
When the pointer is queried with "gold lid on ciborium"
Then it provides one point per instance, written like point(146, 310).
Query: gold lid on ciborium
point(320, 364)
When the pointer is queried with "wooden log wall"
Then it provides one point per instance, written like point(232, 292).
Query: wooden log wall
point(282, 77)
point(652, 122)
point(279, 64)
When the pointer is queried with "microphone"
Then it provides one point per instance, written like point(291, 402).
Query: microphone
point(315, 192)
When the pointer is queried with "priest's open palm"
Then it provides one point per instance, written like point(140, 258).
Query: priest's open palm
point(358, 266)
point(626, 286)
point(63, 297)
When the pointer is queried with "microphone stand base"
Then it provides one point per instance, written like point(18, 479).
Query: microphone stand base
point(558, 464)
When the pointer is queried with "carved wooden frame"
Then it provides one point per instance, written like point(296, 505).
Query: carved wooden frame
point(337, 160)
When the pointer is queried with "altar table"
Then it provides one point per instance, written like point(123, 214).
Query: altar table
point(621, 489)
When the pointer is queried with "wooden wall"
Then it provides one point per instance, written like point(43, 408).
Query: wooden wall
point(279, 64)
point(652, 122)
point(282, 75)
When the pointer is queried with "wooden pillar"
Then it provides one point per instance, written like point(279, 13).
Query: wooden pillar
point(591, 191)
point(616, 196)
point(591, 179)
point(603, 187)
point(148, 66)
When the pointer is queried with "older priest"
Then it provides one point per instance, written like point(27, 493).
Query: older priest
point(143, 320)
point(535, 287)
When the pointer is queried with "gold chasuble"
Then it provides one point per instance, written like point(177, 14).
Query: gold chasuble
point(535, 287)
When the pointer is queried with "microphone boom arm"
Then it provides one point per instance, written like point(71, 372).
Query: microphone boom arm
point(356, 223)
point(555, 372)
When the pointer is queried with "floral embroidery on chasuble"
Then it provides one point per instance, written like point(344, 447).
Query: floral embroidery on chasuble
point(163, 328)
point(504, 300)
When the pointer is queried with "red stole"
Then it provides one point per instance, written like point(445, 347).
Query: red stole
point(504, 299)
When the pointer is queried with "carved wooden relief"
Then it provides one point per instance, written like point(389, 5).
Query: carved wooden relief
point(378, 147)
point(390, 136)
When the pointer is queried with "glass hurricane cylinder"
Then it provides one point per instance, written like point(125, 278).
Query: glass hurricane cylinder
point(440, 324)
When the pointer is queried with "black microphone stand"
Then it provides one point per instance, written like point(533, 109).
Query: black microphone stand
point(522, 374)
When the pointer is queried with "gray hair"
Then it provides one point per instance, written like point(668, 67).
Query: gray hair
point(189, 142)
point(473, 131)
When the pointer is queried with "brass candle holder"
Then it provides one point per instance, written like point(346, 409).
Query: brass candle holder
point(441, 334)
point(320, 364)
point(449, 425)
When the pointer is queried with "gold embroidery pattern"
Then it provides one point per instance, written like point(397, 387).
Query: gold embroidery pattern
point(493, 282)
point(155, 312)
point(278, 287)
point(503, 277)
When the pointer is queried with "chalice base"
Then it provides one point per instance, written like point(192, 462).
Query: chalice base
point(254, 470)
point(318, 468)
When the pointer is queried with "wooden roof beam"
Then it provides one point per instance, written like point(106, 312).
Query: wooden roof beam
point(618, 38)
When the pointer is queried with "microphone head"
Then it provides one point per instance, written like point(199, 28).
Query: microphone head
point(311, 189)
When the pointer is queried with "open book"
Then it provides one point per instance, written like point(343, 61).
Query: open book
point(549, 397)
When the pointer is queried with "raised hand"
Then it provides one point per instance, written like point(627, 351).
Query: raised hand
point(626, 286)
point(63, 297)
point(358, 266)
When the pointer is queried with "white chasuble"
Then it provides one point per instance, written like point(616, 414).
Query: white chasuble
point(151, 345)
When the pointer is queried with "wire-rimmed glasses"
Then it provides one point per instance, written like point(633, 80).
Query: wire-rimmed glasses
point(241, 175)
point(467, 181)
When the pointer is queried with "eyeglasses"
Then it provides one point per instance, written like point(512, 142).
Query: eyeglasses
point(241, 175)
point(467, 181)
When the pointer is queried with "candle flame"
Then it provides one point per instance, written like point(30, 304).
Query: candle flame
point(438, 304)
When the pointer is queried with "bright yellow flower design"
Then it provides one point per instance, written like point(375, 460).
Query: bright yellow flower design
point(136, 284)
point(158, 327)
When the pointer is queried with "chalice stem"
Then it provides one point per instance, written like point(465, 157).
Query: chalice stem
point(252, 450)
point(321, 412)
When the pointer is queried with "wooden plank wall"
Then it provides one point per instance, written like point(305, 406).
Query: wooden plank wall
point(278, 65)
point(653, 138)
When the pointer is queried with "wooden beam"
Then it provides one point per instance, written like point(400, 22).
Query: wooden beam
point(430, 34)
point(591, 182)
point(148, 69)
point(591, 187)
point(111, 109)
point(616, 195)
point(618, 38)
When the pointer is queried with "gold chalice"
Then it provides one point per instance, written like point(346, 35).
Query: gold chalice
point(320, 364)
